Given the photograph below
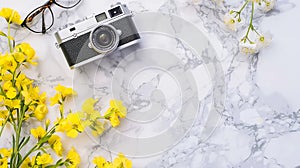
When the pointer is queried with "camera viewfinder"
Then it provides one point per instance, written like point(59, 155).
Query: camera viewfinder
point(101, 17)
point(115, 11)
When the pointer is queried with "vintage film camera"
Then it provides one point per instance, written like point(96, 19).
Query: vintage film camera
point(97, 36)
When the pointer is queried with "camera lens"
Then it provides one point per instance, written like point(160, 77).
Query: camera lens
point(104, 38)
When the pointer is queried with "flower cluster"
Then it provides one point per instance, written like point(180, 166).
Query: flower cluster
point(22, 101)
point(92, 118)
point(119, 162)
point(115, 112)
point(42, 160)
point(233, 19)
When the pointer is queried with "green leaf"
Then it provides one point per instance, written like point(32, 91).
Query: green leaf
point(2, 34)
point(14, 142)
point(19, 158)
point(25, 142)
point(13, 149)
point(23, 139)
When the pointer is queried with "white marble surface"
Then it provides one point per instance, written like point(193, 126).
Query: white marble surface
point(255, 124)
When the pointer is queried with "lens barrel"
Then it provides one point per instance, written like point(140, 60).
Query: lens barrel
point(104, 39)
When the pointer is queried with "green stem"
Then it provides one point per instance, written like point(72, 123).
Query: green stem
point(3, 126)
point(250, 25)
point(61, 110)
point(238, 13)
point(36, 146)
point(8, 38)
point(18, 128)
point(243, 7)
point(256, 31)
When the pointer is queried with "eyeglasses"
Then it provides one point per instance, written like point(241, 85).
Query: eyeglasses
point(41, 19)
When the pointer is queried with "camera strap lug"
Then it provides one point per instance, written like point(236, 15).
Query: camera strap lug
point(57, 46)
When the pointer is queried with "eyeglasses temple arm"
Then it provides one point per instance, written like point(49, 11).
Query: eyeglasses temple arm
point(43, 22)
point(46, 5)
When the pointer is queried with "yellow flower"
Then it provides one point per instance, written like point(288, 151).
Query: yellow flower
point(56, 99)
point(122, 162)
point(118, 108)
point(56, 144)
point(11, 93)
point(19, 57)
point(3, 116)
point(31, 94)
point(115, 111)
point(4, 163)
point(26, 49)
point(88, 105)
point(39, 132)
point(7, 77)
point(64, 91)
point(114, 120)
point(22, 82)
point(97, 128)
point(12, 103)
point(5, 152)
point(7, 62)
point(71, 125)
point(27, 96)
point(89, 117)
point(73, 158)
point(100, 162)
point(44, 159)
point(76, 125)
point(10, 15)
point(27, 163)
point(43, 97)
point(40, 111)
point(7, 85)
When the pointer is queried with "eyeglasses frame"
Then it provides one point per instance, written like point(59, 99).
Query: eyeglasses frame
point(42, 9)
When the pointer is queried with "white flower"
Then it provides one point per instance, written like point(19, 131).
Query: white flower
point(230, 22)
point(267, 5)
point(254, 47)
point(247, 48)
point(263, 41)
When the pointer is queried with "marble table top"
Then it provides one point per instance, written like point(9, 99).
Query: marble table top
point(193, 99)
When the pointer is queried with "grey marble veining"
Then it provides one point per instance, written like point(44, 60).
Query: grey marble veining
point(251, 126)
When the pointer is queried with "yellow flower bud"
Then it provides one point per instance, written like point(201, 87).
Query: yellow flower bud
point(47, 123)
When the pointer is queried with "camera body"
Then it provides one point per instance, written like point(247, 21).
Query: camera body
point(97, 36)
